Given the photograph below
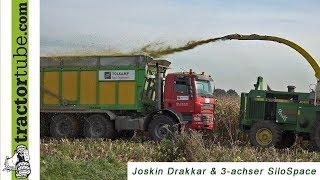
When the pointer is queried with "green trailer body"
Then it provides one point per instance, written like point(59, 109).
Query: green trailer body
point(98, 83)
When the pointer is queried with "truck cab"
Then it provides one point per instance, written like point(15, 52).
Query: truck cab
point(190, 95)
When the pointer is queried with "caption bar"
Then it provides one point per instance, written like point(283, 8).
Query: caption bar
point(208, 170)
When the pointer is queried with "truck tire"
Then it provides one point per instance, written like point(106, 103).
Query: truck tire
point(265, 134)
point(98, 126)
point(125, 134)
point(161, 127)
point(315, 135)
point(64, 126)
point(288, 139)
point(44, 125)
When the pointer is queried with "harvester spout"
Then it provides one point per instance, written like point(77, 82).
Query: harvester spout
point(313, 62)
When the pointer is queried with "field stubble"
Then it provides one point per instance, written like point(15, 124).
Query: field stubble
point(86, 158)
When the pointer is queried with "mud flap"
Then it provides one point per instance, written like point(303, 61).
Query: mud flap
point(126, 123)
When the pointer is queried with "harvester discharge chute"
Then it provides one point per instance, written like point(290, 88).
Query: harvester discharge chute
point(313, 62)
point(193, 44)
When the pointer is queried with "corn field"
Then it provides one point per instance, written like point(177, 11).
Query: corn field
point(87, 158)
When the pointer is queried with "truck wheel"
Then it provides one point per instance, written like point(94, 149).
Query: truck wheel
point(125, 134)
point(288, 139)
point(161, 127)
point(98, 126)
point(265, 134)
point(63, 126)
point(44, 125)
point(315, 135)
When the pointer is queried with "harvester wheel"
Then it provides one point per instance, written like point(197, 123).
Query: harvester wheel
point(64, 126)
point(288, 139)
point(161, 127)
point(315, 135)
point(265, 134)
point(125, 134)
point(98, 126)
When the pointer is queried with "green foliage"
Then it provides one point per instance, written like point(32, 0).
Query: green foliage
point(232, 93)
point(63, 167)
point(168, 151)
point(219, 92)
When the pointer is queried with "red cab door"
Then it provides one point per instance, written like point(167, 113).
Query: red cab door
point(179, 96)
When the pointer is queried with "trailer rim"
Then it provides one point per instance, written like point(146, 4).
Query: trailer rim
point(64, 126)
point(98, 126)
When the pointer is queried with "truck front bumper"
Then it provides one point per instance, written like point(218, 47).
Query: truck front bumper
point(200, 122)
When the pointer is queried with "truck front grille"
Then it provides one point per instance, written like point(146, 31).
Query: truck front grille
point(206, 118)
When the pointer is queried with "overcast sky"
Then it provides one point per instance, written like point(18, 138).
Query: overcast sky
point(98, 25)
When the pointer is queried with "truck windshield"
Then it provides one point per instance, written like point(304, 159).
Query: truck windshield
point(203, 88)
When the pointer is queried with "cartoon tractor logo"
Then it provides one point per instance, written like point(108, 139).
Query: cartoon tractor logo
point(19, 162)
